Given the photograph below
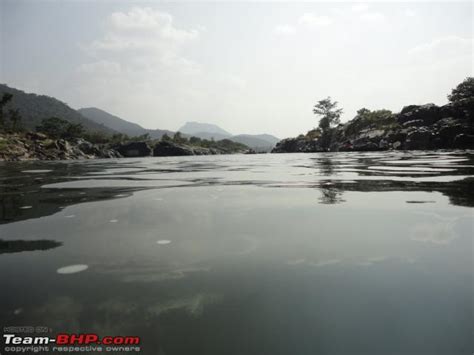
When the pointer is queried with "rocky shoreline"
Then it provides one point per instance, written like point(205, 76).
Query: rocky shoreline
point(38, 146)
point(425, 127)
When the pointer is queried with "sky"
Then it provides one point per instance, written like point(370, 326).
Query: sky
point(249, 67)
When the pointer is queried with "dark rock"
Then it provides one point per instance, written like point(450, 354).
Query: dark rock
point(134, 149)
point(429, 114)
point(447, 135)
point(364, 145)
point(86, 147)
point(298, 144)
point(451, 110)
point(383, 144)
point(397, 145)
point(63, 145)
point(36, 136)
point(409, 108)
point(413, 123)
point(396, 136)
point(464, 141)
point(201, 151)
point(421, 138)
point(166, 148)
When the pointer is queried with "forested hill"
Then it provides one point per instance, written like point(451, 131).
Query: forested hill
point(120, 125)
point(34, 108)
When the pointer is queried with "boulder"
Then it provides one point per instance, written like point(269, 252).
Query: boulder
point(297, 145)
point(396, 136)
point(201, 151)
point(36, 136)
point(447, 134)
point(364, 145)
point(413, 123)
point(421, 138)
point(287, 145)
point(397, 145)
point(464, 141)
point(134, 149)
point(86, 147)
point(429, 114)
point(166, 148)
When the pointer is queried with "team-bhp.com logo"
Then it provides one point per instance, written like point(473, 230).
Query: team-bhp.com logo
point(63, 342)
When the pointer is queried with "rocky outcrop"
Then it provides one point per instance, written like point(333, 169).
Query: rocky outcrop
point(168, 148)
point(37, 146)
point(414, 128)
point(165, 148)
point(134, 149)
point(299, 144)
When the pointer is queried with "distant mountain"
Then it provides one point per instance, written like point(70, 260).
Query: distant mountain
point(34, 108)
point(111, 121)
point(195, 128)
point(259, 142)
point(119, 124)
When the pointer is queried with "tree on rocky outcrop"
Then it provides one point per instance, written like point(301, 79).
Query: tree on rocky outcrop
point(178, 138)
point(462, 97)
point(56, 127)
point(463, 91)
point(195, 140)
point(15, 119)
point(165, 138)
point(330, 115)
point(367, 119)
point(6, 98)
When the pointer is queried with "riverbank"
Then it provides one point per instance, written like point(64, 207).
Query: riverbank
point(424, 127)
point(38, 146)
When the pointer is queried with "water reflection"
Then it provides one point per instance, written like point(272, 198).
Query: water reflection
point(338, 253)
point(17, 246)
point(25, 192)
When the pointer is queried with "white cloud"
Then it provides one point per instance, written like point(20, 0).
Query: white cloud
point(236, 81)
point(145, 31)
point(312, 20)
point(141, 55)
point(284, 30)
point(448, 45)
point(360, 7)
point(101, 66)
point(149, 21)
point(372, 17)
point(410, 13)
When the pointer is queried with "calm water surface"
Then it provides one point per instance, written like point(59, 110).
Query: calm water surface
point(344, 253)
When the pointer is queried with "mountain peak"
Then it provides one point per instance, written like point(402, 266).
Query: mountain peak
point(193, 127)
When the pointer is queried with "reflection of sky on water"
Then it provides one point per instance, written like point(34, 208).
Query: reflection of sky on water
point(273, 254)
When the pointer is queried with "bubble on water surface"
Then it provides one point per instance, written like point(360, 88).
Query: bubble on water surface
point(113, 221)
point(70, 216)
point(163, 242)
point(18, 311)
point(72, 269)
point(26, 207)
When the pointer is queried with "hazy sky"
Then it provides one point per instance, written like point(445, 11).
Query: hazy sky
point(248, 67)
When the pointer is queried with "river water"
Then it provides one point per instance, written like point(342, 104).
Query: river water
point(331, 253)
